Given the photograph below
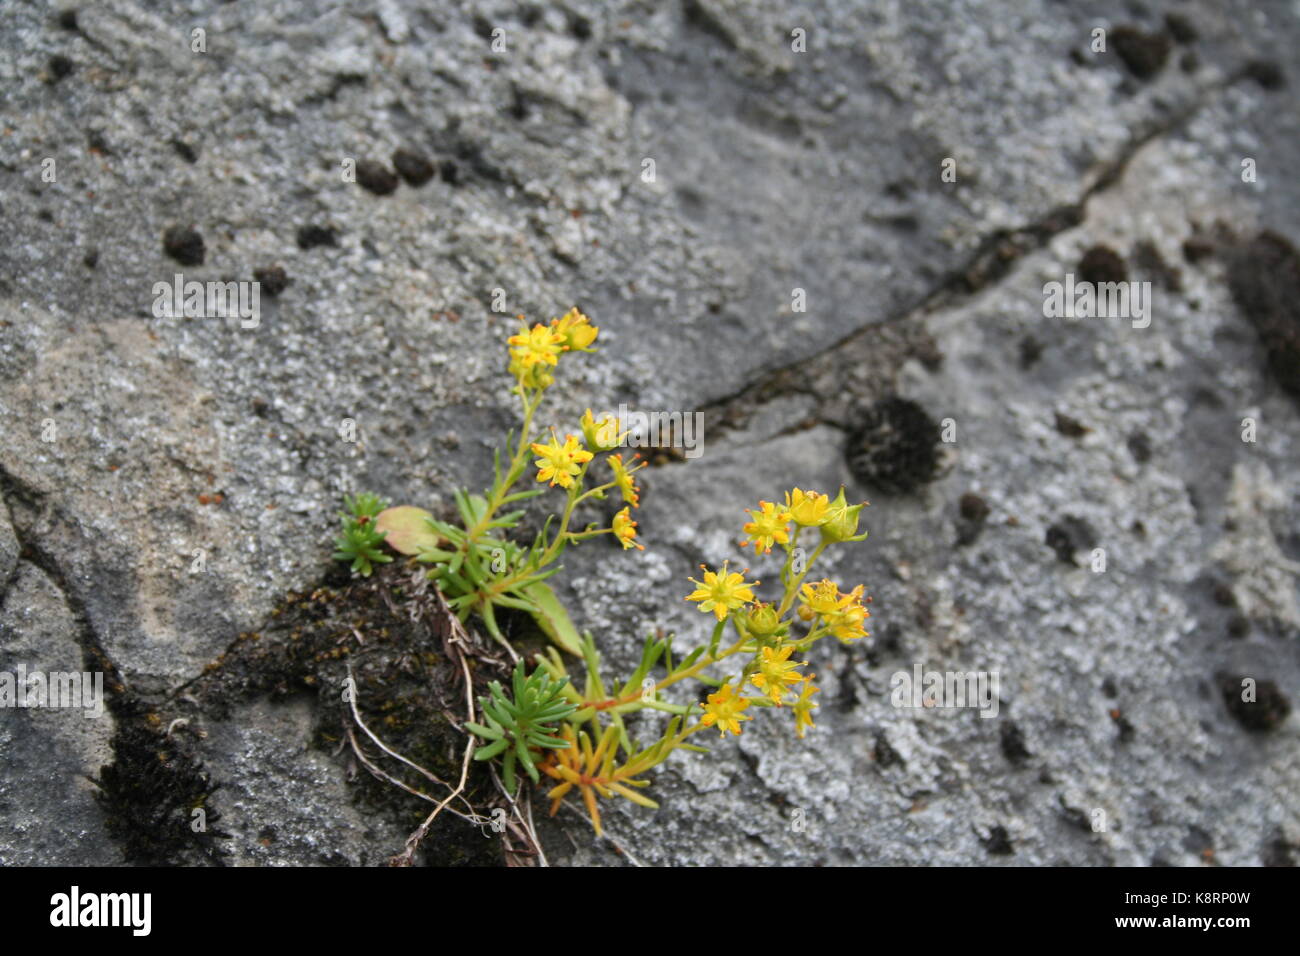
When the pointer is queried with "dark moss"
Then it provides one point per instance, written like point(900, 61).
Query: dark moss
point(413, 167)
point(150, 794)
point(1068, 536)
point(60, 66)
point(405, 686)
point(885, 755)
point(1143, 53)
point(1181, 28)
point(1102, 264)
point(185, 245)
point(1070, 427)
point(1264, 278)
point(272, 279)
point(1012, 740)
point(998, 842)
point(1197, 249)
point(313, 236)
point(1266, 73)
point(1267, 711)
point(375, 177)
point(896, 447)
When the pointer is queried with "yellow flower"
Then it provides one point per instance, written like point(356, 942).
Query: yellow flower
point(808, 508)
point(843, 614)
point(776, 672)
point(803, 707)
point(822, 598)
point(600, 435)
point(539, 345)
point(560, 464)
point(847, 623)
point(575, 331)
point(769, 527)
point(623, 478)
point(724, 709)
point(625, 530)
point(720, 591)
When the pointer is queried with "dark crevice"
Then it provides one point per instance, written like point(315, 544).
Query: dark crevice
point(991, 262)
point(151, 791)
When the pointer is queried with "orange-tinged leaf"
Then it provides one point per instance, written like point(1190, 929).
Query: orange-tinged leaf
point(408, 529)
point(590, 799)
point(633, 796)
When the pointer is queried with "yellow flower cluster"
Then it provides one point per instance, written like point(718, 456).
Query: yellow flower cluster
point(534, 352)
point(772, 639)
point(843, 615)
point(764, 628)
point(625, 530)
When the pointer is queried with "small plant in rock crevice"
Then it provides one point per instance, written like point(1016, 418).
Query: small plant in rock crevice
point(572, 728)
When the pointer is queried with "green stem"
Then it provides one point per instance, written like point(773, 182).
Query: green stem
point(517, 465)
point(793, 589)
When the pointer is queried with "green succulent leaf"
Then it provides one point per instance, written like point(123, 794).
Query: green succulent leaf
point(361, 539)
point(552, 618)
point(521, 723)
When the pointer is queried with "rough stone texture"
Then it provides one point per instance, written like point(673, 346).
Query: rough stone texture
point(774, 171)
point(273, 783)
point(48, 815)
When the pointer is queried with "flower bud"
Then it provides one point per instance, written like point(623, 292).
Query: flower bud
point(842, 520)
point(600, 435)
point(761, 620)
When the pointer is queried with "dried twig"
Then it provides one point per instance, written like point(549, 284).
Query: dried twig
point(524, 828)
point(522, 846)
point(456, 641)
point(471, 817)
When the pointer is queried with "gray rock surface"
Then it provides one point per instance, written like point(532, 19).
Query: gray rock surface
point(168, 481)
